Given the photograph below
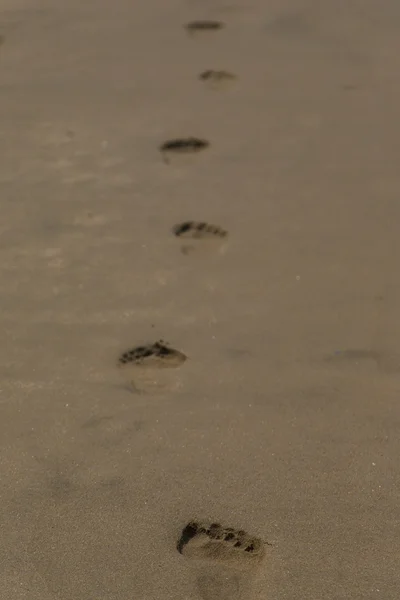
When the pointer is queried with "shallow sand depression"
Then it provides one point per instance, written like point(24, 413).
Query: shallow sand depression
point(262, 462)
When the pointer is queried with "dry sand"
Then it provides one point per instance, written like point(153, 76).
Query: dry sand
point(286, 420)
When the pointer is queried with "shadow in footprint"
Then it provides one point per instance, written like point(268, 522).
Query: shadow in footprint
point(217, 80)
point(353, 355)
point(195, 28)
point(179, 150)
point(385, 362)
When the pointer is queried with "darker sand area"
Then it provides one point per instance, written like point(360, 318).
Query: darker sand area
point(277, 429)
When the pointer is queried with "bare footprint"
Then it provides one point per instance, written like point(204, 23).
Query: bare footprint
point(179, 150)
point(146, 368)
point(217, 80)
point(194, 28)
point(353, 355)
point(365, 360)
point(197, 234)
point(89, 219)
point(360, 358)
point(226, 559)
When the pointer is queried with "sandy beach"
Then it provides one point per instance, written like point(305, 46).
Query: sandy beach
point(260, 463)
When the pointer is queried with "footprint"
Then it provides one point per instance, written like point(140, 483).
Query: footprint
point(146, 368)
point(193, 232)
point(366, 360)
point(226, 559)
point(198, 230)
point(88, 219)
point(353, 355)
point(217, 80)
point(203, 26)
point(158, 355)
point(182, 148)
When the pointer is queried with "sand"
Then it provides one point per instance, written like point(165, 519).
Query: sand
point(285, 422)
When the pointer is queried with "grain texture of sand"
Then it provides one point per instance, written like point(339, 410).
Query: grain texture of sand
point(283, 419)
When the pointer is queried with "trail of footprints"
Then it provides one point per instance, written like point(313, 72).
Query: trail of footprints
point(178, 150)
point(224, 558)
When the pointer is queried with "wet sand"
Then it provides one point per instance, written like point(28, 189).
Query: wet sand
point(283, 420)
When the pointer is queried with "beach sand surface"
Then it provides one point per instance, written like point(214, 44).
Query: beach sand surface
point(284, 419)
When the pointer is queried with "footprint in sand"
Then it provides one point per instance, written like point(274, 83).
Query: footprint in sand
point(355, 357)
point(181, 150)
point(226, 559)
point(196, 235)
point(89, 219)
point(368, 361)
point(353, 354)
point(195, 28)
point(218, 80)
point(150, 367)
